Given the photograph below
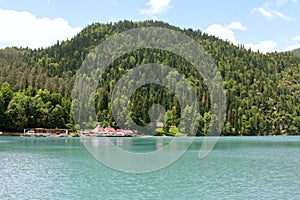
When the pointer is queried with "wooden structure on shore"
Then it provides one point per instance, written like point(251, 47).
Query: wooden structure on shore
point(46, 132)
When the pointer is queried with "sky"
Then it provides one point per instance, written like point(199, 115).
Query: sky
point(264, 25)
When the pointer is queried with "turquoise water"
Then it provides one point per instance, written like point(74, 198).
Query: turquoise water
point(237, 168)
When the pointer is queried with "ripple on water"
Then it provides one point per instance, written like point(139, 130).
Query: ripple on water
point(238, 168)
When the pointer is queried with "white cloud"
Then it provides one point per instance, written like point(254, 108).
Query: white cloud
point(225, 32)
point(271, 14)
point(283, 2)
point(26, 30)
point(156, 7)
point(282, 16)
point(221, 32)
point(263, 46)
point(237, 26)
point(296, 38)
point(263, 12)
point(292, 47)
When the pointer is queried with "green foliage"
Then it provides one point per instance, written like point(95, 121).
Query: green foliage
point(160, 132)
point(262, 90)
point(168, 122)
point(29, 109)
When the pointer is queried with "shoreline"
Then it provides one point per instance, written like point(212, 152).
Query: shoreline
point(70, 135)
point(19, 134)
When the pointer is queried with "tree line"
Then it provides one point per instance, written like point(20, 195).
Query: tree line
point(262, 90)
point(30, 108)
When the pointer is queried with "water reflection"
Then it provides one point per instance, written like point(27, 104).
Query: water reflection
point(138, 145)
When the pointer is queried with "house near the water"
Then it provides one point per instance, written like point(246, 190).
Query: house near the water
point(159, 124)
point(108, 131)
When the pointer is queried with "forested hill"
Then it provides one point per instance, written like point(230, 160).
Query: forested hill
point(296, 52)
point(263, 90)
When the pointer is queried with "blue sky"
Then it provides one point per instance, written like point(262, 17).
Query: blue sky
point(267, 25)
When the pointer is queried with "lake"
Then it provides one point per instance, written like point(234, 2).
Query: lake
point(237, 168)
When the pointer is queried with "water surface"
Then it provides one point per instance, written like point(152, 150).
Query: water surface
point(237, 168)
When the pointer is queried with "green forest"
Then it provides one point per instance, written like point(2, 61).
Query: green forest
point(262, 90)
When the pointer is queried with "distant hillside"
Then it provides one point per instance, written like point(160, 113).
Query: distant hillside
point(296, 52)
point(263, 90)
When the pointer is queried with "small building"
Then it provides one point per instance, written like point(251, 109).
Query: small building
point(159, 124)
point(51, 130)
point(123, 132)
point(110, 131)
point(120, 132)
point(107, 129)
point(99, 130)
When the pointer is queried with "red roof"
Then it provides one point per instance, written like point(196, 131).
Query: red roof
point(98, 129)
point(110, 130)
point(125, 131)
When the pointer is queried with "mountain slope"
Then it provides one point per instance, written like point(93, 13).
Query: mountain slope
point(296, 52)
point(262, 89)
